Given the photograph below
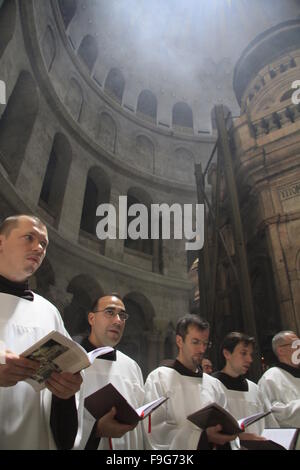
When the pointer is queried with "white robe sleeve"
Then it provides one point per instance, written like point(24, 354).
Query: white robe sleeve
point(285, 411)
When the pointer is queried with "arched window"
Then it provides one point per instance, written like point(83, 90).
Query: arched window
point(16, 124)
point(7, 23)
point(88, 51)
point(136, 196)
point(287, 95)
point(115, 84)
point(55, 180)
point(85, 290)
point(135, 341)
point(182, 116)
point(97, 192)
point(67, 10)
point(147, 105)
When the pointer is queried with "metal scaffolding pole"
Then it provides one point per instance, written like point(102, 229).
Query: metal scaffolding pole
point(203, 255)
point(244, 284)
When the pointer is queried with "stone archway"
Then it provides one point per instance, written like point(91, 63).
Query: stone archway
point(135, 341)
point(85, 290)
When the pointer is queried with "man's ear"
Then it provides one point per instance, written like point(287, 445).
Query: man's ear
point(91, 317)
point(226, 354)
point(179, 341)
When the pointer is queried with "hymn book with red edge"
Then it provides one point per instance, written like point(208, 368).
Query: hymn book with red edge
point(102, 401)
point(214, 414)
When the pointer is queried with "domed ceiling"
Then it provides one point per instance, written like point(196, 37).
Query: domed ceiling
point(180, 50)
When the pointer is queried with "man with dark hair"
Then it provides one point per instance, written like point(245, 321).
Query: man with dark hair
point(107, 320)
point(280, 385)
point(188, 390)
point(243, 396)
point(29, 420)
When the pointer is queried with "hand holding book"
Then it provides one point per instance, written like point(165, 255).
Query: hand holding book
point(104, 399)
point(213, 414)
point(57, 353)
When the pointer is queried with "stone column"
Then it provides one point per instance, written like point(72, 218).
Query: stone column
point(70, 216)
point(115, 248)
point(31, 175)
point(277, 253)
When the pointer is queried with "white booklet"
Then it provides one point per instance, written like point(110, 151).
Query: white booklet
point(57, 353)
point(286, 437)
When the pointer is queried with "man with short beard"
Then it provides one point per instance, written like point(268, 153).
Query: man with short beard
point(188, 390)
point(107, 320)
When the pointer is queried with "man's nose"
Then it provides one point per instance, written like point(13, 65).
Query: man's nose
point(202, 347)
point(117, 318)
point(250, 359)
point(39, 247)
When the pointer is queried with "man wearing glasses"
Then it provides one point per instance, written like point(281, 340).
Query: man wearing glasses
point(188, 390)
point(107, 320)
point(280, 385)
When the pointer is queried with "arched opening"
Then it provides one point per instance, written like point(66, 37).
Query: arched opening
point(182, 116)
point(43, 279)
point(287, 95)
point(115, 84)
point(97, 192)
point(138, 196)
point(7, 23)
point(135, 341)
point(16, 124)
point(85, 290)
point(67, 10)
point(147, 105)
point(88, 51)
point(56, 176)
point(107, 132)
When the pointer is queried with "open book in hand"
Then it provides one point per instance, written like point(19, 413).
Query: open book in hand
point(102, 401)
point(214, 414)
point(276, 439)
point(57, 353)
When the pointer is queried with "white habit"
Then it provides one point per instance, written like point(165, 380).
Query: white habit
point(24, 413)
point(170, 427)
point(282, 389)
point(125, 375)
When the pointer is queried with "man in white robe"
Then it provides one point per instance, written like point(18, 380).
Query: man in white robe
point(29, 420)
point(280, 385)
point(188, 390)
point(243, 396)
point(107, 321)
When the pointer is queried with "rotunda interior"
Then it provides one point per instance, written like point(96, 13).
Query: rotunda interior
point(116, 102)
